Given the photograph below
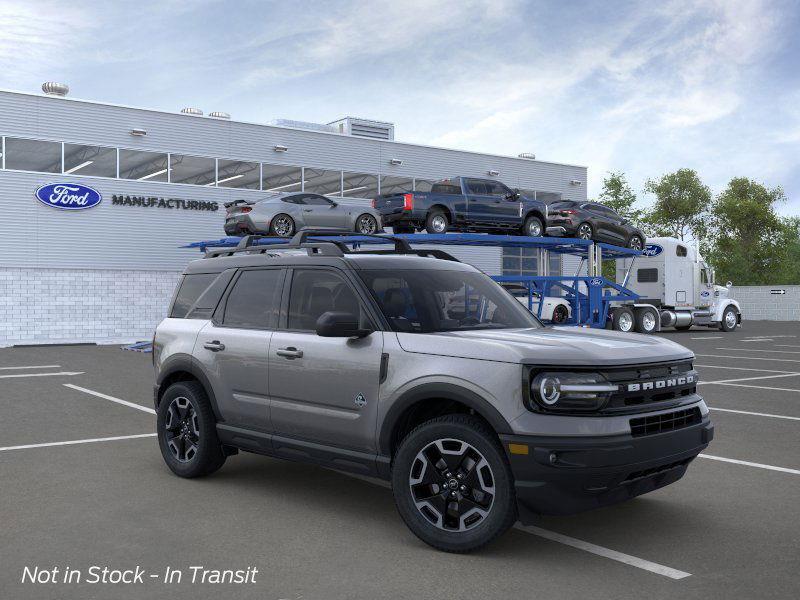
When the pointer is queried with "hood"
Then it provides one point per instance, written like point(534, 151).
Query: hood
point(550, 345)
point(720, 291)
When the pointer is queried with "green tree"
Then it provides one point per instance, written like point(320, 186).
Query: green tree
point(618, 195)
point(681, 205)
point(749, 243)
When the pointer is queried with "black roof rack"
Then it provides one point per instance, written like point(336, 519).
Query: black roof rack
point(326, 247)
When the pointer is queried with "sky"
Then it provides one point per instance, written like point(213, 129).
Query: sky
point(639, 87)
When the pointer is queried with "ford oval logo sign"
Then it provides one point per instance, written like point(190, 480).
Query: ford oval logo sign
point(596, 282)
point(652, 250)
point(68, 196)
point(705, 294)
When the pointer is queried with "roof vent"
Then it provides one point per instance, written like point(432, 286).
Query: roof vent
point(192, 111)
point(377, 130)
point(219, 115)
point(527, 155)
point(51, 88)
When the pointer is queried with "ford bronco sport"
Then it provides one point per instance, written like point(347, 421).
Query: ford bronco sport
point(413, 367)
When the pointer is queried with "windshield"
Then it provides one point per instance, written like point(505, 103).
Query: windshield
point(433, 301)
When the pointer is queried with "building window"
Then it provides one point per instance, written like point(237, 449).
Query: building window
point(321, 181)
point(33, 155)
point(143, 166)
point(396, 185)
point(96, 161)
point(280, 178)
point(237, 174)
point(194, 170)
point(520, 261)
point(359, 185)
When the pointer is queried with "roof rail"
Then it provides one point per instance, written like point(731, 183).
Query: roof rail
point(248, 244)
point(401, 246)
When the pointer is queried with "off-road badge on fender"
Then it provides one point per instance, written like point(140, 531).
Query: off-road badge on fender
point(360, 400)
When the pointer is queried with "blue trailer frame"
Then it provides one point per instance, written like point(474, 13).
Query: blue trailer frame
point(589, 296)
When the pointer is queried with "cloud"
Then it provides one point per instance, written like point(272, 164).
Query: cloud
point(38, 37)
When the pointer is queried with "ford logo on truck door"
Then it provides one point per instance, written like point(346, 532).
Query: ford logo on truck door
point(68, 196)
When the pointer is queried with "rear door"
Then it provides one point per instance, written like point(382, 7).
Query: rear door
point(233, 348)
point(324, 390)
point(480, 202)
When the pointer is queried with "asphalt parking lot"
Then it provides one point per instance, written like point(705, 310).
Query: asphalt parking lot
point(729, 529)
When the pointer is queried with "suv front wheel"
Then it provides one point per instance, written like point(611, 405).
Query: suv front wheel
point(452, 484)
point(187, 433)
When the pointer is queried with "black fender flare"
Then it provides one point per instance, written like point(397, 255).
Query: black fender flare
point(443, 391)
point(535, 212)
point(184, 362)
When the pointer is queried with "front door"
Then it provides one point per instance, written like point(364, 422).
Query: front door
point(233, 349)
point(488, 205)
point(324, 390)
point(320, 211)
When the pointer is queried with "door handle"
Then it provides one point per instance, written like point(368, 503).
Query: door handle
point(291, 352)
point(308, 210)
point(214, 346)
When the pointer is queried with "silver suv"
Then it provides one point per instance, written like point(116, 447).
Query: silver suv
point(413, 367)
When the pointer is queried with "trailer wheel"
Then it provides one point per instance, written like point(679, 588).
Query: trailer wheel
point(729, 319)
point(623, 320)
point(645, 321)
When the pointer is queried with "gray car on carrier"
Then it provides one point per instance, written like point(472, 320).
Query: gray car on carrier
point(283, 214)
point(410, 366)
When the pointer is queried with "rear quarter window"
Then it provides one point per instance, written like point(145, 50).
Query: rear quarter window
point(191, 287)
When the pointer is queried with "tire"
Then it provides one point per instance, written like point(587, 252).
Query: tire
point(729, 320)
point(636, 243)
point(200, 432)
point(282, 225)
point(584, 232)
point(645, 321)
point(623, 320)
point(366, 224)
point(482, 515)
point(560, 314)
point(437, 221)
point(533, 227)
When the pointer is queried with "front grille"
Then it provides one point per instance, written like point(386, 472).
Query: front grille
point(648, 384)
point(665, 422)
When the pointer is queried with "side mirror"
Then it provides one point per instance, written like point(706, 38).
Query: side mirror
point(729, 285)
point(334, 204)
point(340, 324)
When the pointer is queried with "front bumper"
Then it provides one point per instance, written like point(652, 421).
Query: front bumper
point(565, 475)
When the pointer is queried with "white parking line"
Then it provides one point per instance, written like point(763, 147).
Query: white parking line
point(754, 350)
point(31, 367)
point(742, 369)
point(791, 360)
point(758, 340)
point(72, 442)
point(786, 346)
point(15, 375)
point(739, 379)
point(633, 561)
point(757, 387)
point(111, 398)
point(708, 337)
point(750, 464)
point(754, 414)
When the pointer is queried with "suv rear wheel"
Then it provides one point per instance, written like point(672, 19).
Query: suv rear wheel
point(187, 433)
point(452, 484)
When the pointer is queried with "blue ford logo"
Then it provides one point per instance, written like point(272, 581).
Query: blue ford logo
point(652, 250)
point(68, 196)
point(705, 294)
point(596, 282)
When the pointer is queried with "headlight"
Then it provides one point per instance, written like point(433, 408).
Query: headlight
point(571, 391)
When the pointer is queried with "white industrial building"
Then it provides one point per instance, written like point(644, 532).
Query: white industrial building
point(107, 273)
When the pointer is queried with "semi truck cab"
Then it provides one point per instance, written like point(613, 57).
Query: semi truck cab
point(671, 276)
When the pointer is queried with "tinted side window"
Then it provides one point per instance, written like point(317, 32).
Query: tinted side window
point(191, 288)
point(315, 292)
point(647, 275)
point(446, 187)
point(254, 300)
point(495, 188)
point(476, 186)
point(293, 200)
point(316, 200)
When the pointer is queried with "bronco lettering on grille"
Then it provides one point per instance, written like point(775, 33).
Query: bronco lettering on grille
point(660, 384)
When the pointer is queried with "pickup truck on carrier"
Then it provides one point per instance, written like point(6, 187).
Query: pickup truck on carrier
point(464, 204)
